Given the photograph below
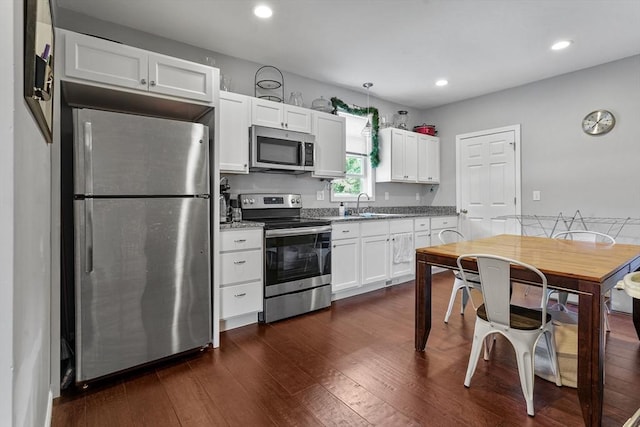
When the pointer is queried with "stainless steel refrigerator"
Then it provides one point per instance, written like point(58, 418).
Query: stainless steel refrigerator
point(142, 240)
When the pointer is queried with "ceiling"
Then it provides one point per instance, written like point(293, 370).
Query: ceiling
point(402, 46)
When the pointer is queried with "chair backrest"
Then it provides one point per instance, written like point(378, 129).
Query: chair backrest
point(585, 235)
point(449, 235)
point(495, 276)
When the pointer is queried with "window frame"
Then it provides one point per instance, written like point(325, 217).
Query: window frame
point(368, 172)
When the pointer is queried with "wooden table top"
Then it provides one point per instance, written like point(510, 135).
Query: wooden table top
point(590, 261)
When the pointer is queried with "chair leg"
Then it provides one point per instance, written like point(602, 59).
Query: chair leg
point(464, 300)
point(457, 285)
point(476, 346)
point(524, 357)
point(553, 356)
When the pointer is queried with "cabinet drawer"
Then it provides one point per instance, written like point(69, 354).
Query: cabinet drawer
point(444, 222)
point(238, 267)
point(238, 240)
point(240, 299)
point(421, 224)
point(400, 226)
point(345, 230)
point(374, 228)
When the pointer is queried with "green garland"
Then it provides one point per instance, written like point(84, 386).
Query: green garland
point(374, 156)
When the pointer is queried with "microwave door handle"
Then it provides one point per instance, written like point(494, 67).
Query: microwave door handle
point(301, 155)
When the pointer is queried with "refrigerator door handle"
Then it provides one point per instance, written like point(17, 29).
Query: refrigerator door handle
point(88, 159)
point(88, 235)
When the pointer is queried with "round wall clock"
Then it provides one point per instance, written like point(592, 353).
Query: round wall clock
point(598, 122)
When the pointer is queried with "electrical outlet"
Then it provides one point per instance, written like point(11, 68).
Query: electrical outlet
point(418, 196)
point(536, 195)
point(386, 195)
point(320, 195)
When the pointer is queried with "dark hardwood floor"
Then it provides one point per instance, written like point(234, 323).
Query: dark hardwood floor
point(353, 364)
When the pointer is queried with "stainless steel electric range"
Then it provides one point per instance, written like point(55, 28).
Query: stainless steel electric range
point(297, 255)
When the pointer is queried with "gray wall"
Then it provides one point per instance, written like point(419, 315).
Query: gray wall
point(242, 75)
point(571, 169)
point(25, 265)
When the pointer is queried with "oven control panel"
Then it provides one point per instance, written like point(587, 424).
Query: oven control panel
point(272, 200)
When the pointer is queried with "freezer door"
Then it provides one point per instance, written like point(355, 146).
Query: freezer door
point(123, 154)
point(143, 281)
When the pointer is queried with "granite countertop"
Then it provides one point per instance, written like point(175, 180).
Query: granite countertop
point(379, 216)
point(241, 224)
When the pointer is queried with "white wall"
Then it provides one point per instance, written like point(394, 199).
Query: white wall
point(6, 212)
point(243, 76)
point(25, 266)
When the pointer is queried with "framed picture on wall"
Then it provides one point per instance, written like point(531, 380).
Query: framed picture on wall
point(38, 64)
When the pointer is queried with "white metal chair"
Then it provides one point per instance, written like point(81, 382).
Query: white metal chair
point(582, 235)
point(522, 326)
point(450, 236)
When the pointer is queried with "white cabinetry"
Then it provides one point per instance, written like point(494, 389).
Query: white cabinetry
point(345, 256)
point(330, 146)
point(402, 249)
point(108, 64)
point(429, 159)
point(281, 116)
point(241, 288)
point(398, 156)
point(441, 223)
point(234, 132)
point(421, 232)
point(408, 157)
point(375, 251)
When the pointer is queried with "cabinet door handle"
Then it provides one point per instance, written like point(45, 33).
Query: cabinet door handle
point(143, 81)
point(464, 211)
point(282, 124)
point(152, 83)
point(240, 241)
point(240, 295)
point(239, 262)
point(345, 231)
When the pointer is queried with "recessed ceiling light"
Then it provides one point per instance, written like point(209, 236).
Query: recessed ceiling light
point(442, 82)
point(562, 44)
point(263, 11)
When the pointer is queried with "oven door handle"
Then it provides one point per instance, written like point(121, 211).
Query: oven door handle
point(297, 231)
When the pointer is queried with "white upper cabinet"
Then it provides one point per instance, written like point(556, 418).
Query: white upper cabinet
point(330, 146)
point(108, 64)
point(398, 156)
point(429, 155)
point(407, 156)
point(234, 132)
point(281, 116)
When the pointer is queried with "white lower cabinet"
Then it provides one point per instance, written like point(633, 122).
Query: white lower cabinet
point(401, 248)
point(421, 232)
point(370, 254)
point(345, 256)
point(375, 251)
point(241, 279)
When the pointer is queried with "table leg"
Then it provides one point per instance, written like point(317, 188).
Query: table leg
point(636, 315)
point(591, 353)
point(423, 304)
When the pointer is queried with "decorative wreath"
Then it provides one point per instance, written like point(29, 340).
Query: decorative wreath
point(374, 156)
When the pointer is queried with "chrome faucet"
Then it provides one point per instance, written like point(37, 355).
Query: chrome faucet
point(358, 202)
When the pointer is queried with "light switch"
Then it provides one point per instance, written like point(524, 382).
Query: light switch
point(536, 195)
point(386, 195)
point(320, 195)
point(418, 196)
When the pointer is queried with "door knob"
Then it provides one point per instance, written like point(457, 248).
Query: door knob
point(464, 211)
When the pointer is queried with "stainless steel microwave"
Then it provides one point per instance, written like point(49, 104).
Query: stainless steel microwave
point(279, 149)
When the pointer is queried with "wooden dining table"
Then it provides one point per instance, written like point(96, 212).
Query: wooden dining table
point(584, 268)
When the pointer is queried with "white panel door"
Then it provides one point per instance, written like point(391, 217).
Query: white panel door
point(487, 182)
point(176, 77)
